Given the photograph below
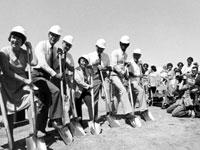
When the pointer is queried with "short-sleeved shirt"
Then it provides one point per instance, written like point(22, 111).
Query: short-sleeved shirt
point(118, 58)
point(94, 60)
point(187, 69)
point(135, 69)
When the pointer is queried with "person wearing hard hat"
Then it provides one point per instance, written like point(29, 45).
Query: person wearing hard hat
point(99, 61)
point(119, 60)
point(82, 92)
point(13, 62)
point(67, 45)
point(67, 62)
point(67, 65)
point(68, 59)
point(46, 52)
point(135, 72)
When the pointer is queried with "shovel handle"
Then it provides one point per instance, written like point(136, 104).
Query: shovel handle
point(130, 88)
point(33, 109)
point(65, 117)
point(92, 95)
point(104, 88)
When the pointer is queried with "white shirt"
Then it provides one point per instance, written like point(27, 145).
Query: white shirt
point(187, 69)
point(93, 59)
point(135, 68)
point(43, 54)
point(118, 58)
point(154, 79)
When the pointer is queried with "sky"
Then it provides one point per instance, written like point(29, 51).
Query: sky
point(164, 30)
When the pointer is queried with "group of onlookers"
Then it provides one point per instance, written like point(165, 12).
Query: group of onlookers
point(176, 87)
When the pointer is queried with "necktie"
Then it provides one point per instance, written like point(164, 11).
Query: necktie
point(99, 55)
point(85, 76)
point(51, 58)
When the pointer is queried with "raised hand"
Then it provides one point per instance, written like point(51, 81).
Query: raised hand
point(28, 45)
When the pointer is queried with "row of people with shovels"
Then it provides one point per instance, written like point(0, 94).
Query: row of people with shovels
point(61, 87)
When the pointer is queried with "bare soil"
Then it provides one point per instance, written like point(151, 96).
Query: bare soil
point(166, 133)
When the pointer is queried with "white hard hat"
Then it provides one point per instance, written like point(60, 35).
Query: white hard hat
point(56, 29)
point(69, 39)
point(85, 57)
point(125, 39)
point(137, 51)
point(20, 30)
point(101, 43)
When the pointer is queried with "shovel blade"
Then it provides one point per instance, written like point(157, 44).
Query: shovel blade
point(34, 143)
point(66, 135)
point(76, 129)
point(113, 123)
point(97, 128)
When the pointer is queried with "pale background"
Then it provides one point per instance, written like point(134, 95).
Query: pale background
point(165, 30)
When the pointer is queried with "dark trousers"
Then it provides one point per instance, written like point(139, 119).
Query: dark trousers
point(50, 99)
point(152, 90)
point(86, 96)
point(97, 88)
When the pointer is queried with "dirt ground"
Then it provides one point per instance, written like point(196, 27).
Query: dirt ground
point(166, 133)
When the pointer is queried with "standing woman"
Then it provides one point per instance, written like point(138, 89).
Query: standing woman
point(13, 61)
point(153, 81)
point(83, 87)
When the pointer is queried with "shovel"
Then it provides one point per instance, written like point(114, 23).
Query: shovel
point(33, 142)
point(112, 122)
point(96, 125)
point(64, 131)
point(75, 126)
point(137, 121)
point(6, 123)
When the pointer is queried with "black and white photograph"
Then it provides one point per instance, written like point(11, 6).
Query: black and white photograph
point(99, 75)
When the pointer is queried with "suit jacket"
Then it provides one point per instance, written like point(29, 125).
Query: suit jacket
point(79, 79)
point(197, 80)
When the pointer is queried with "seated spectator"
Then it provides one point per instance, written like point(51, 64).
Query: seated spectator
point(183, 107)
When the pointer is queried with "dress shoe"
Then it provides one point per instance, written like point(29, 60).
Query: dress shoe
point(131, 122)
point(147, 116)
point(55, 123)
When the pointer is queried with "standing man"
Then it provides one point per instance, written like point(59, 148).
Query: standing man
point(137, 89)
point(99, 61)
point(67, 67)
point(49, 94)
point(119, 60)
